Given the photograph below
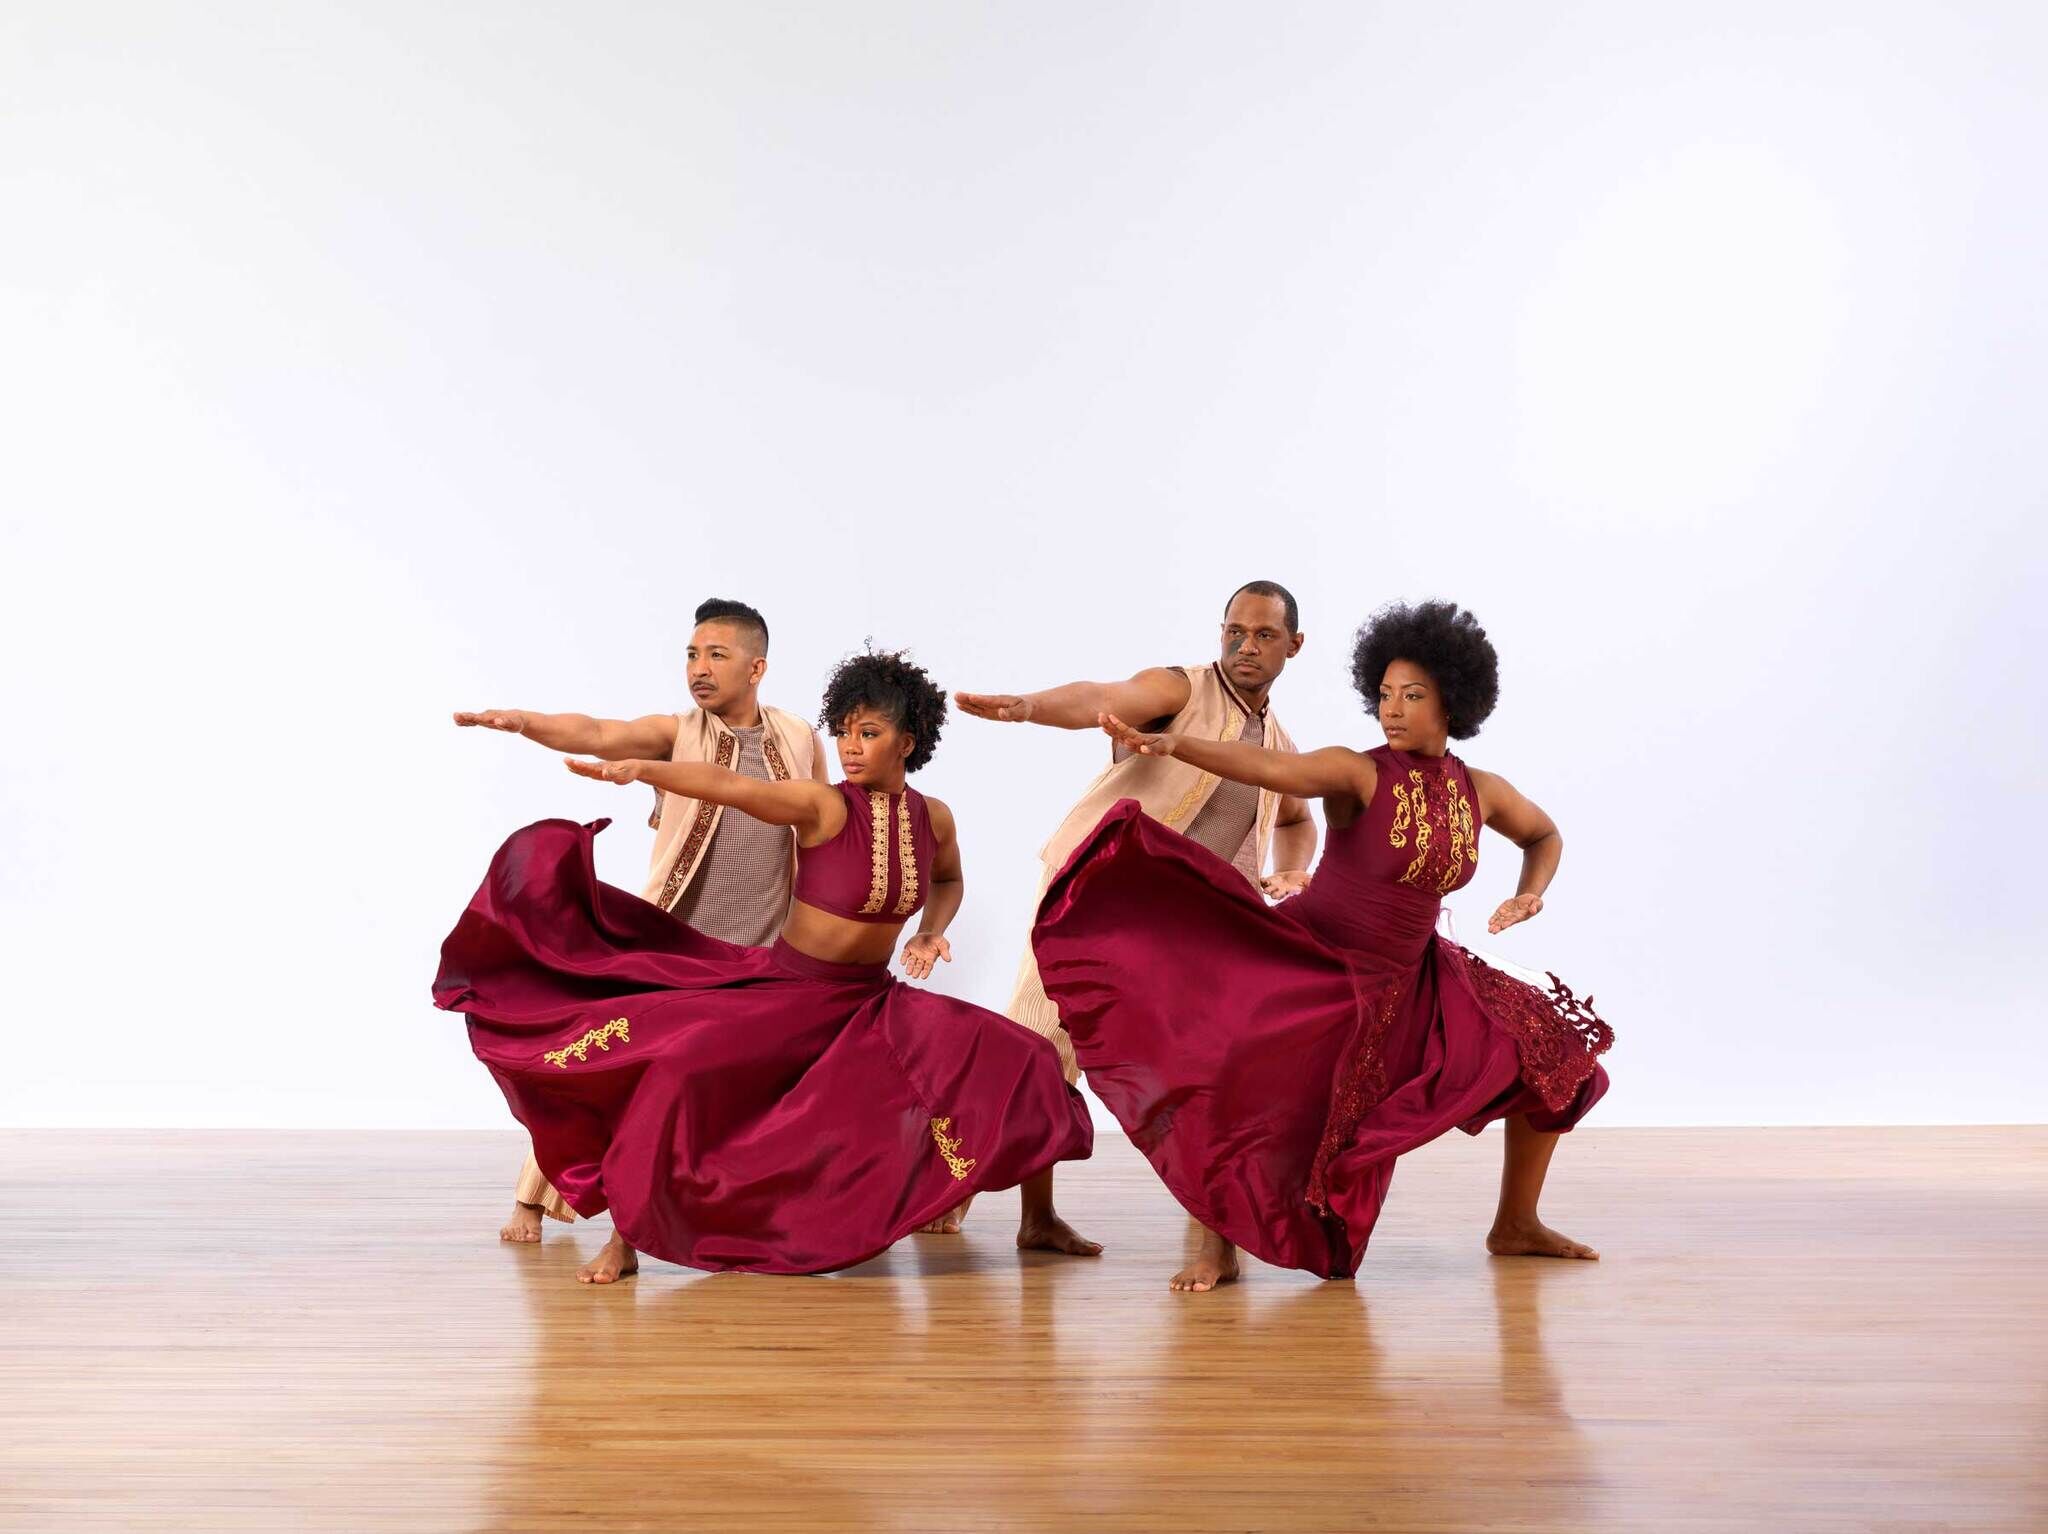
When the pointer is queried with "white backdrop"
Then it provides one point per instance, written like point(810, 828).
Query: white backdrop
point(368, 361)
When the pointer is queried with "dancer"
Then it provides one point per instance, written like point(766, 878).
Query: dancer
point(1228, 699)
point(1272, 1063)
point(726, 874)
point(789, 1109)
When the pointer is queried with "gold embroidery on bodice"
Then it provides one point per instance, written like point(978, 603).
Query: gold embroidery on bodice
point(1415, 803)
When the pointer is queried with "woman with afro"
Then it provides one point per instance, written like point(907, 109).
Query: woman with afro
point(1274, 1062)
point(789, 1109)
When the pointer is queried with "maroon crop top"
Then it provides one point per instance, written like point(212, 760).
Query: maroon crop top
point(878, 868)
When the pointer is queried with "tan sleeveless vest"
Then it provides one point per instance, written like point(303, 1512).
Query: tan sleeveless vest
point(683, 826)
point(1167, 788)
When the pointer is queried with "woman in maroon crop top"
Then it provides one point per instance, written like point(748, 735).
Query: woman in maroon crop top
point(790, 1109)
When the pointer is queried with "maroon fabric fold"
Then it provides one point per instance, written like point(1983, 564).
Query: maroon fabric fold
point(736, 1107)
point(1272, 1063)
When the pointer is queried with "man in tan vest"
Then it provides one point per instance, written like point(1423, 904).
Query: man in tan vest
point(721, 870)
point(1227, 699)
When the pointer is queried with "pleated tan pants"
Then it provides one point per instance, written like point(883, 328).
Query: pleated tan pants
point(1030, 1005)
point(536, 1189)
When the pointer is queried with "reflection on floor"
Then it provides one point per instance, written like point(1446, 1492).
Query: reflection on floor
point(1837, 1329)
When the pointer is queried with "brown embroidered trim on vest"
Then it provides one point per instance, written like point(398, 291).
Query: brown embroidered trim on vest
point(686, 860)
point(778, 770)
point(1207, 780)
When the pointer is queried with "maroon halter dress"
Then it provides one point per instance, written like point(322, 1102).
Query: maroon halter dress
point(740, 1107)
point(1271, 1062)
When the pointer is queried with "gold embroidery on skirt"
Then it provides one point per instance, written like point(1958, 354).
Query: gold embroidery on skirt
point(600, 1038)
point(906, 857)
point(878, 852)
point(949, 1147)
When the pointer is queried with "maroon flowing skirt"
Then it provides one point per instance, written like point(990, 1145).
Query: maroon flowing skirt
point(1270, 1075)
point(736, 1107)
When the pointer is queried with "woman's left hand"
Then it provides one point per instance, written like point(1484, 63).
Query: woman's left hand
point(922, 952)
point(1519, 909)
point(1281, 885)
point(605, 772)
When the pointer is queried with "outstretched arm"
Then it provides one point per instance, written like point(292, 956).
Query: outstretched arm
point(812, 808)
point(1522, 821)
point(649, 736)
point(1154, 693)
point(941, 901)
point(1332, 772)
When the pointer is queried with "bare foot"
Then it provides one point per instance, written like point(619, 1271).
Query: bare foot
point(524, 1224)
point(947, 1224)
point(615, 1262)
point(1532, 1238)
point(1215, 1264)
point(1043, 1231)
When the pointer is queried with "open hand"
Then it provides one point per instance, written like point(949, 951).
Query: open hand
point(922, 952)
point(606, 772)
point(1519, 909)
point(1004, 707)
point(1136, 741)
point(1279, 886)
point(510, 720)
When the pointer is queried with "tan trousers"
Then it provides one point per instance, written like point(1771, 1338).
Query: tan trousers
point(536, 1189)
point(1030, 1005)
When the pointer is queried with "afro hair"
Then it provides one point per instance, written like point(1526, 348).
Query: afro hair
point(888, 682)
point(1444, 640)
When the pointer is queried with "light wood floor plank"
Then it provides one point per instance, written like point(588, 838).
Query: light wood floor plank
point(1792, 1329)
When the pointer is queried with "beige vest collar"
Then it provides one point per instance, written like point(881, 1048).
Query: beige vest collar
point(683, 826)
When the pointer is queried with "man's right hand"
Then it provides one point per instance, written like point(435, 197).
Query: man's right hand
point(510, 720)
point(1005, 707)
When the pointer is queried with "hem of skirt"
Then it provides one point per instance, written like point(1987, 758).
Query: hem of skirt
point(1192, 1208)
point(966, 1188)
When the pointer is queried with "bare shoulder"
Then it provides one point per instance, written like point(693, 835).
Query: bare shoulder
point(1483, 780)
point(1360, 771)
point(1165, 689)
point(942, 818)
point(656, 734)
point(1496, 793)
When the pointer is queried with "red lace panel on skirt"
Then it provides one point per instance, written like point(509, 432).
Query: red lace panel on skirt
point(1560, 1038)
point(1361, 1087)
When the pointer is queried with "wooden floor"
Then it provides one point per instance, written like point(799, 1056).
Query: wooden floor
point(1791, 1330)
